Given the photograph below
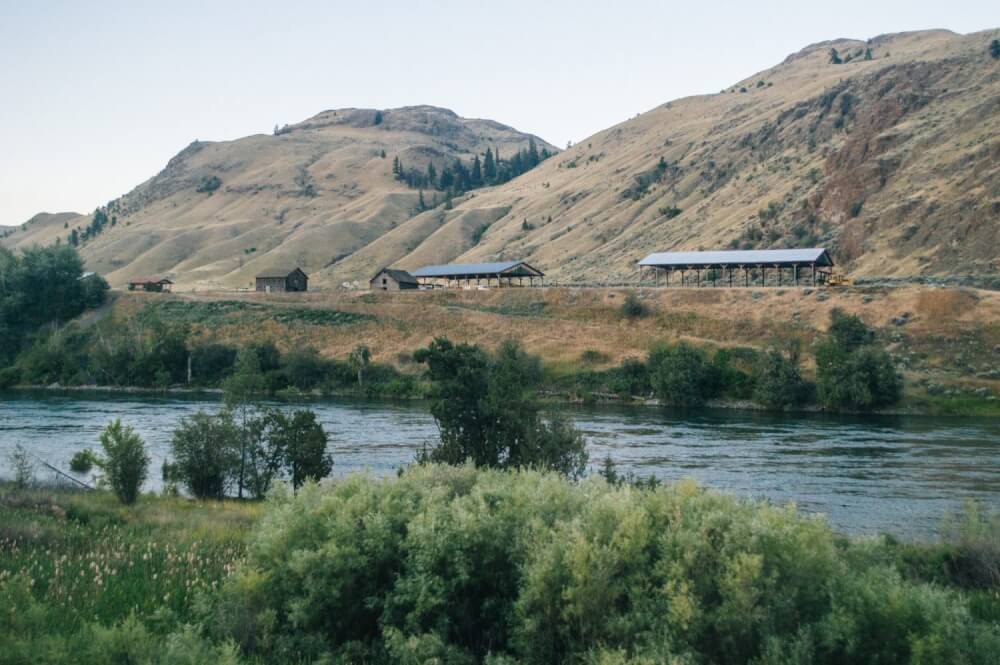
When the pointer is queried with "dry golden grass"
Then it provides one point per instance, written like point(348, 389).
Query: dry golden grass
point(560, 324)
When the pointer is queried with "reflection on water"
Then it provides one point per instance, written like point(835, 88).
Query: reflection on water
point(872, 474)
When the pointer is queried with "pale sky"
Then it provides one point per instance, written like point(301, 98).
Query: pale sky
point(95, 97)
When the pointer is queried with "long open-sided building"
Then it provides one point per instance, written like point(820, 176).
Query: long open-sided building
point(505, 273)
point(783, 266)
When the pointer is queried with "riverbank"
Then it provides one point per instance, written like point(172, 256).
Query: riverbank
point(922, 404)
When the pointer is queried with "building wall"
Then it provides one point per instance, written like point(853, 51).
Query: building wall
point(276, 284)
point(385, 282)
point(296, 282)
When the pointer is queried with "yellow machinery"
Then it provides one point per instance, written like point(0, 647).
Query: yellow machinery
point(839, 279)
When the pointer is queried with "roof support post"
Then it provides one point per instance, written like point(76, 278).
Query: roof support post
point(814, 274)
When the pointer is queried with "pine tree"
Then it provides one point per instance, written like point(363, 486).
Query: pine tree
point(489, 167)
point(868, 53)
point(995, 49)
point(476, 178)
point(431, 174)
point(74, 238)
point(395, 166)
point(532, 154)
point(835, 57)
point(420, 203)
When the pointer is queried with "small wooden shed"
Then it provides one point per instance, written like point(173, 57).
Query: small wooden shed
point(391, 279)
point(155, 284)
point(281, 281)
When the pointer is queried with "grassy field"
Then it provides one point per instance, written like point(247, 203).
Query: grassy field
point(89, 558)
point(946, 341)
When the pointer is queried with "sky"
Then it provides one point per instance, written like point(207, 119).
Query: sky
point(96, 97)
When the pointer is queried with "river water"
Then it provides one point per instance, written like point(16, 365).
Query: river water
point(899, 475)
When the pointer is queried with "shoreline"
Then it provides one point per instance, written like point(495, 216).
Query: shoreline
point(547, 397)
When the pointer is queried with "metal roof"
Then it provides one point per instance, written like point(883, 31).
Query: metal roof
point(277, 273)
point(457, 269)
point(150, 280)
point(401, 276)
point(817, 255)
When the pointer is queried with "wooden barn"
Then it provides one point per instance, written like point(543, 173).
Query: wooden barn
point(391, 279)
point(280, 281)
point(154, 284)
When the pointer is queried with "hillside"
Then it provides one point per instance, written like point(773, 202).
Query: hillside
point(890, 158)
point(893, 162)
point(41, 229)
point(309, 195)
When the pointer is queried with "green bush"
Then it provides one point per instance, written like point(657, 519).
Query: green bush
point(777, 382)
point(125, 462)
point(205, 454)
point(458, 565)
point(851, 371)
point(487, 410)
point(682, 375)
point(83, 461)
point(632, 307)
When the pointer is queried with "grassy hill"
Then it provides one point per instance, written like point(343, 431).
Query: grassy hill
point(309, 195)
point(892, 161)
point(890, 158)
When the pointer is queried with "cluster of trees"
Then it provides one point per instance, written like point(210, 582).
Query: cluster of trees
point(146, 351)
point(852, 371)
point(39, 287)
point(241, 450)
point(103, 217)
point(458, 177)
point(488, 412)
point(245, 447)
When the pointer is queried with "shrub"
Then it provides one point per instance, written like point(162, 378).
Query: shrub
point(22, 465)
point(851, 372)
point(632, 307)
point(777, 382)
point(211, 363)
point(974, 537)
point(458, 565)
point(209, 184)
point(125, 462)
point(681, 375)
point(593, 357)
point(205, 451)
point(83, 461)
point(630, 378)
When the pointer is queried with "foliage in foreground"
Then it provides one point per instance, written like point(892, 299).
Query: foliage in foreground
point(85, 579)
point(457, 565)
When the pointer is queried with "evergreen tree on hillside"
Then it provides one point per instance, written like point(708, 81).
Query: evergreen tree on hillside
point(835, 57)
point(489, 167)
point(431, 174)
point(476, 177)
point(533, 158)
point(995, 49)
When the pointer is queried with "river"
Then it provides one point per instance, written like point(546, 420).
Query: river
point(897, 474)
